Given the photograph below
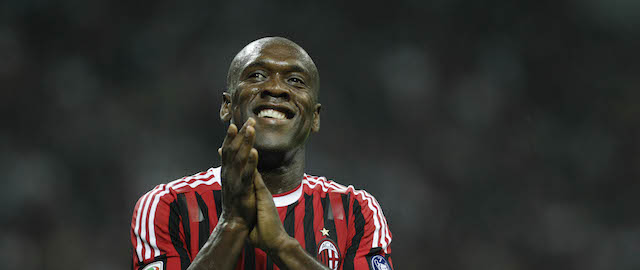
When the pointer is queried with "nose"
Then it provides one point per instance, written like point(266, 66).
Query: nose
point(275, 89)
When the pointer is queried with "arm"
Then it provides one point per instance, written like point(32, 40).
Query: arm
point(223, 246)
point(239, 161)
point(155, 232)
point(370, 237)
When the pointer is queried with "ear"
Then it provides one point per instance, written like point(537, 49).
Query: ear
point(225, 107)
point(316, 118)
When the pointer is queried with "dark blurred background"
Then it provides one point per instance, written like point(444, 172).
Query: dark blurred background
point(496, 134)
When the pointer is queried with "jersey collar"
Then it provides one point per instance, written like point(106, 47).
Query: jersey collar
point(287, 198)
point(282, 199)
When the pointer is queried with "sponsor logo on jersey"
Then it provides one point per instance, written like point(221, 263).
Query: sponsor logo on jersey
point(378, 262)
point(329, 254)
point(154, 266)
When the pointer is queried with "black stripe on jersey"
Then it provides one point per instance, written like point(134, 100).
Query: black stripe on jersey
point(289, 222)
point(309, 231)
point(249, 256)
point(174, 232)
point(216, 198)
point(184, 214)
point(329, 223)
point(269, 263)
point(355, 241)
point(345, 204)
point(203, 225)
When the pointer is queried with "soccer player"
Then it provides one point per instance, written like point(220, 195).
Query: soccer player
point(259, 210)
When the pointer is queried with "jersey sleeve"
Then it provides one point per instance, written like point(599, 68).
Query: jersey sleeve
point(370, 236)
point(156, 232)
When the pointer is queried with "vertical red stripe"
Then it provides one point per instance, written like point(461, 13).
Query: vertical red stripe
point(192, 206)
point(162, 219)
point(134, 239)
point(318, 218)
point(135, 255)
point(261, 258)
point(340, 220)
point(207, 197)
point(282, 212)
point(351, 230)
point(367, 239)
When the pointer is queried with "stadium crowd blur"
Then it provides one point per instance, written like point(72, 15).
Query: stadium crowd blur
point(495, 134)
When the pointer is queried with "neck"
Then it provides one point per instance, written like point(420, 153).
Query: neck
point(281, 171)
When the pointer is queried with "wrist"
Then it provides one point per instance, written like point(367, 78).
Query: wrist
point(284, 245)
point(233, 223)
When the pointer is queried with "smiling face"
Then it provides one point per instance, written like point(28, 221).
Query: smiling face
point(274, 81)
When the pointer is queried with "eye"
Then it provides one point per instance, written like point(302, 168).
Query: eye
point(296, 80)
point(257, 76)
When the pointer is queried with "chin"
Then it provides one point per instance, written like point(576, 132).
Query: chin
point(272, 144)
point(278, 141)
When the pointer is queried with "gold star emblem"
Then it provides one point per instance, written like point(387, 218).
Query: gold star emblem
point(324, 232)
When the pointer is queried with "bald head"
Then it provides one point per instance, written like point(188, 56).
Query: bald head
point(283, 49)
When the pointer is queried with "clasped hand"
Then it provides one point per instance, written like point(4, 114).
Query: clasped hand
point(246, 200)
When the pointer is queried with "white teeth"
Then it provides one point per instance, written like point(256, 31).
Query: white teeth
point(272, 114)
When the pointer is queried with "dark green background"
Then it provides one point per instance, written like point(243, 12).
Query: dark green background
point(496, 134)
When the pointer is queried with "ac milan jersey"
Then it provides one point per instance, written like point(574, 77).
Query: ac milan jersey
point(342, 227)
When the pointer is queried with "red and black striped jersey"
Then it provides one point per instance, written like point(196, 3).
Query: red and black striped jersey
point(341, 226)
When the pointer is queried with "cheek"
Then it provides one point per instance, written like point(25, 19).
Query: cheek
point(306, 104)
point(242, 97)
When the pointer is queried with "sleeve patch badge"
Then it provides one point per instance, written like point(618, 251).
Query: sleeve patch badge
point(378, 262)
point(154, 266)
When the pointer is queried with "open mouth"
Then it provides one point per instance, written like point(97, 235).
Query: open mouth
point(274, 112)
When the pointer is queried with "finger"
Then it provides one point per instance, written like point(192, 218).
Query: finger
point(245, 147)
point(232, 147)
point(250, 167)
point(232, 131)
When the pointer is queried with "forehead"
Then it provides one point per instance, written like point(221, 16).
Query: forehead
point(275, 55)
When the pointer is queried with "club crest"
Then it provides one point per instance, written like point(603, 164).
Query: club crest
point(154, 266)
point(329, 254)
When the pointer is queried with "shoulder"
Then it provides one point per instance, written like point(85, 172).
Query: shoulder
point(359, 199)
point(364, 210)
point(322, 184)
point(205, 180)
